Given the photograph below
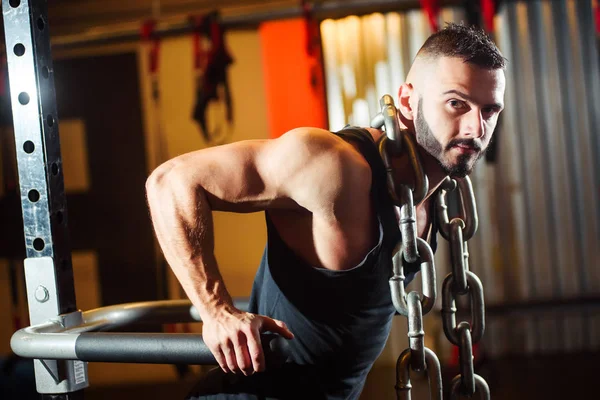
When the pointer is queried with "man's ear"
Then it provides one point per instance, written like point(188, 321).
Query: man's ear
point(404, 94)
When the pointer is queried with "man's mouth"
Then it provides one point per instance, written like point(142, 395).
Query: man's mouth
point(465, 148)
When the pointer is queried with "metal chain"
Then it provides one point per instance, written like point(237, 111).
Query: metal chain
point(413, 249)
point(462, 281)
point(434, 374)
point(403, 197)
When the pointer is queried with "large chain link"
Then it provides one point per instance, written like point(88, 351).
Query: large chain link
point(413, 249)
point(434, 374)
point(462, 281)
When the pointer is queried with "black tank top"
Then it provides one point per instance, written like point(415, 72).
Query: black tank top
point(341, 319)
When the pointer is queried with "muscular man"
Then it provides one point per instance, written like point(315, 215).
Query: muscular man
point(332, 228)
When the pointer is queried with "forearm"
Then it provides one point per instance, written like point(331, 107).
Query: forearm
point(182, 219)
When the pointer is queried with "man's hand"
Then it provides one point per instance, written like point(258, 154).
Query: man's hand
point(234, 339)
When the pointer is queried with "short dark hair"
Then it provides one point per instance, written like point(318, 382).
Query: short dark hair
point(469, 43)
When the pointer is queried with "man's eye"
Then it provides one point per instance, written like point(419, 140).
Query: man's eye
point(489, 112)
point(456, 104)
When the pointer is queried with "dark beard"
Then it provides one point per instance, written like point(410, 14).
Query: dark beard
point(427, 140)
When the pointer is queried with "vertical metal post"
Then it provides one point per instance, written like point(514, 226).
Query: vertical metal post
point(48, 268)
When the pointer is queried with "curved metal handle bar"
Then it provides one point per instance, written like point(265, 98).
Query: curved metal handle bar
point(144, 312)
point(53, 341)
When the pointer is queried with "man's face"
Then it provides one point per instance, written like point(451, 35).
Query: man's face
point(458, 112)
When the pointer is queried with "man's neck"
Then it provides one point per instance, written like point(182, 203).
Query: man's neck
point(404, 171)
point(433, 171)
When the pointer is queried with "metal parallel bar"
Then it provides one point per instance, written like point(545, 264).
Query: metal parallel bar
point(110, 318)
point(146, 348)
point(54, 341)
point(156, 348)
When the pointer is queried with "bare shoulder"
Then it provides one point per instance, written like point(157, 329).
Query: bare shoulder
point(331, 181)
point(320, 169)
point(311, 141)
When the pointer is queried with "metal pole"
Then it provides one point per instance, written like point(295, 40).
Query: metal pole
point(320, 10)
point(48, 269)
point(326, 9)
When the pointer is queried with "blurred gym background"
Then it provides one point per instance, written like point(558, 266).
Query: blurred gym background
point(131, 94)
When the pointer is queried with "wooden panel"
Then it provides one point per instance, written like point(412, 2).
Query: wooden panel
point(74, 155)
point(111, 217)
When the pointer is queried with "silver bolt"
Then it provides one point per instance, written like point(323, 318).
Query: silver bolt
point(41, 294)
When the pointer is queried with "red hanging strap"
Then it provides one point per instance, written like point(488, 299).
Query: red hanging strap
point(216, 35)
point(313, 45)
point(432, 9)
point(313, 35)
point(212, 67)
point(147, 33)
point(488, 10)
point(198, 23)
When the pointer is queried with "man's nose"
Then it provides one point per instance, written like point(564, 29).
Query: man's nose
point(475, 127)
